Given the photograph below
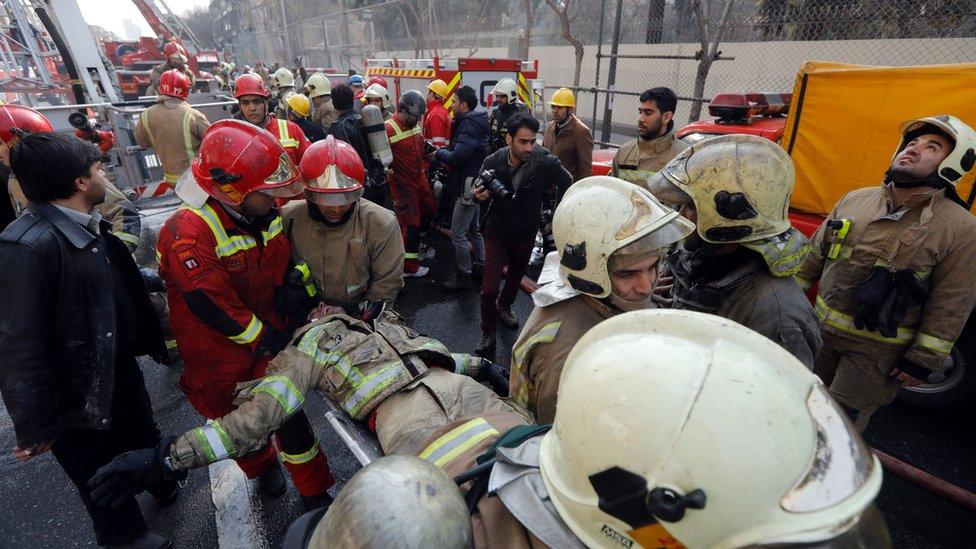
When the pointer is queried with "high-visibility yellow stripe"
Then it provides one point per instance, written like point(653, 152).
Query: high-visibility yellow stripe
point(523, 89)
point(457, 441)
point(932, 343)
point(172, 178)
point(283, 390)
point(126, 237)
point(371, 386)
point(545, 335)
point(144, 118)
point(303, 457)
point(226, 245)
point(214, 441)
point(450, 89)
point(400, 134)
point(309, 345)
point(188, 137)
point(804, 283)
point(284, 137)
point(250, 333)
point(404, 73)
point(845, 323)
point(462, 363)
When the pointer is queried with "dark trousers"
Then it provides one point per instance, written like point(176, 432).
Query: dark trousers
point(499, 252)
point(80, 452)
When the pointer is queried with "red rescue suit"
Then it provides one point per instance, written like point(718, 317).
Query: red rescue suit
point(413, 199)
point(437, 123)
point(221, 283)
point(291, 137)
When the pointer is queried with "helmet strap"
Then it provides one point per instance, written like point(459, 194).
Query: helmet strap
point(905, 182)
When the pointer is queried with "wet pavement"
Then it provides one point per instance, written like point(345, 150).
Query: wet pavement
point(41, 509)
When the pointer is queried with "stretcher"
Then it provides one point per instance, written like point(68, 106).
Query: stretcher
point(362, 442)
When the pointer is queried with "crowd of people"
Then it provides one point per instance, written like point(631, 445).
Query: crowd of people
point(672, 347)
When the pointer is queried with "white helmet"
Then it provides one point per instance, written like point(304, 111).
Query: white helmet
point(376, 91)
point(396, 501)
point(601, 215)
point(506, 87)
point(963, 155)
point(687, 426)
point(283, 78)
point(740, 184)
point(318, 85)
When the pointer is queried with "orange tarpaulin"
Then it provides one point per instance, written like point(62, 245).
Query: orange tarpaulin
point(843, 125)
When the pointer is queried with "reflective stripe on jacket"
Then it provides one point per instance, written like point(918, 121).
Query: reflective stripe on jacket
point(639, 159)
point(173, 129)
point(291, 137)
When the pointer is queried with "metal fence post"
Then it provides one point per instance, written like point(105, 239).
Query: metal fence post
point(612, 75)
point(325, 44)
point(599, 58)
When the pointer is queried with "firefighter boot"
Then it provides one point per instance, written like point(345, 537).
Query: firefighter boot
point(507, 317)
point(272, 482)
point(461, 281)
point(486, 348)
point(321, 501)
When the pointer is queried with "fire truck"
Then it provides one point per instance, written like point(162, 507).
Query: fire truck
point(478, 72)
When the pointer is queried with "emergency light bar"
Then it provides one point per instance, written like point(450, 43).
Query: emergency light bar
point(735, 107)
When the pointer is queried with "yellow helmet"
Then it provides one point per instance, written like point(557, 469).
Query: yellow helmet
point(563, 98)
point(439, 87)
point(299, 104)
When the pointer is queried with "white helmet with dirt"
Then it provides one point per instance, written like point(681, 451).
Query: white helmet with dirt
point(601, 215)
point(687, 427)
point(740, 185)
point(283, 78)
point(318, 85)
point(963, 155)
point(376, 91)
point(506, 87)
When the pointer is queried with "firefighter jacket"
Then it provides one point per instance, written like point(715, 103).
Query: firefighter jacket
point(117, 210)
point(639, 159)
point(437, 123)
point(221, 279)
point(74, 308)
point(572, 143)
point(930, 235)
point(355, 260)
point(291, 137)
point(324, 112)
point(174, 129)
point(741, 288)
point(541, 349)
point(498, 123)
point(411, 191)
point(280, 101)
point(352, 364)
point(158, 71)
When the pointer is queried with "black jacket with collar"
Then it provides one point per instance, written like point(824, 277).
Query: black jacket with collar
point(59, 337)
point(520, 215)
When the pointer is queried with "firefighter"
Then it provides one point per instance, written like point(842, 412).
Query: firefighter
point(320, 92)
point(17, 121)
point(176, 58)
point(172, 127)
point(507, 105)
point(728, 405)
point(283, 86)
point(656, 143)
point(253, 96)
point(894, 264)
point(610, 236)
point(358, 85)
point(349, 127)
point(351, 246)
point(437, 119)
point(377, 95)
point(413, 200)
point(299, 108)
point(223, 258)
point(740, 262)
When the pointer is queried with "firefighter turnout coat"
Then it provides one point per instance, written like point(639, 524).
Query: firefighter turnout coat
point(930, 235)
point(639, 158)
point(174, 129)
point(412, 195)
point(437, 123)
point(291, 137)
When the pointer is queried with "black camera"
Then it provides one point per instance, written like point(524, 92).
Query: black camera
point(495, 188)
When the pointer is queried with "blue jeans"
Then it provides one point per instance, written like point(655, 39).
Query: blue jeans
point(466, 236)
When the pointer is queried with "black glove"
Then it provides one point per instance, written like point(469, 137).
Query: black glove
point(495, 375)
point(872, 295)
point(273, 341)
point(910, 293)
point(292, 300)
point(130, 473)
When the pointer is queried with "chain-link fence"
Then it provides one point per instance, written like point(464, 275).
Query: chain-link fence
point(623, 45)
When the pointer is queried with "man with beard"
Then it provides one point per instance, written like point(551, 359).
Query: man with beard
point(894, 263)
point(656, 143)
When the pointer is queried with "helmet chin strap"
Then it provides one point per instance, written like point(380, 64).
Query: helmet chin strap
point(904, 181)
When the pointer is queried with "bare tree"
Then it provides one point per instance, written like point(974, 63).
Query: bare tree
point(526, 40)
point(561, 7)
point(655, 21)
point(709, 52)
point(203, 24)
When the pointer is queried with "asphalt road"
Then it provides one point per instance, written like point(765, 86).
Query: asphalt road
point(41, 509)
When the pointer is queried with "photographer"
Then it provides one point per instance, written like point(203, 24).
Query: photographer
point(516, 179)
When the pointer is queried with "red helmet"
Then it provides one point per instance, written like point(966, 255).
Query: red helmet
point(237, 158)
point(333, 173)
point(377, 80)
point(175, 48)
point(17, 121)
point(174, 83)
point(250, 84)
